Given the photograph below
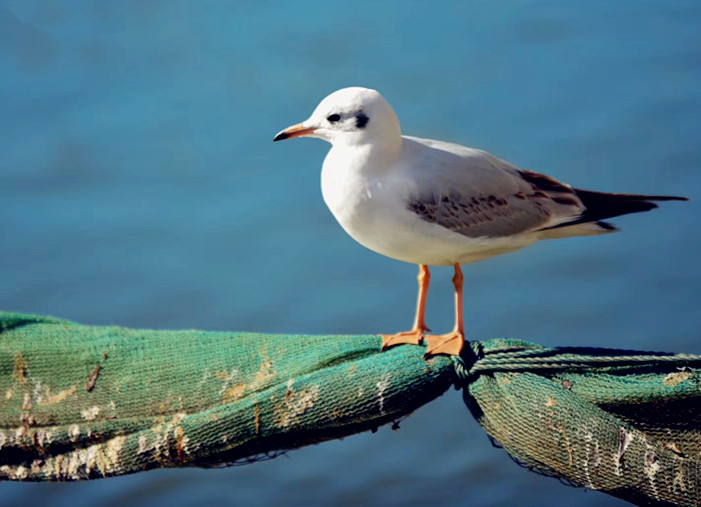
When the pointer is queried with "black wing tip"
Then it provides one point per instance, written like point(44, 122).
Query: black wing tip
point(664, 198)
point(607, 226)
point(603, 205)
point(639, 206)
point(592, 194)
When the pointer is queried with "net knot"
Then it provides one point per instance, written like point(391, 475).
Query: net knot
point(465, 362)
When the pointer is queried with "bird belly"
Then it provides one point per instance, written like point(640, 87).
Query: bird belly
point(377, 218)
point(430, 244)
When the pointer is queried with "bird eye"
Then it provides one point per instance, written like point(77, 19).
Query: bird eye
point(333, 118)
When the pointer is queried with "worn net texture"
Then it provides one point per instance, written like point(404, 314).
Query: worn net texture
point(624, 422)
point(81, 402)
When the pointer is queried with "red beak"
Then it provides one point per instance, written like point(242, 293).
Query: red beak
point(298, 130)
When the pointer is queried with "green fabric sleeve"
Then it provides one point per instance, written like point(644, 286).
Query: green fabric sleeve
point(83, 402)
point(80, 402)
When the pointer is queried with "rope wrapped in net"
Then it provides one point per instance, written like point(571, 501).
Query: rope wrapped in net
point(623, 422)
point(83, 402)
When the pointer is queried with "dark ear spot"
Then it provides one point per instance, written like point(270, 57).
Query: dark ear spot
point(361, 120)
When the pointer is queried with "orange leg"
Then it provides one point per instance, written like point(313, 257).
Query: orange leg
point(450, 343)
point(416, 334)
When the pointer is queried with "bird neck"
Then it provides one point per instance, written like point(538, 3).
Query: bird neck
point(370, 159)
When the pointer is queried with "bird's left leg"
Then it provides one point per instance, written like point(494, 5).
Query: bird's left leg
point(416, 334)
point(450, 343)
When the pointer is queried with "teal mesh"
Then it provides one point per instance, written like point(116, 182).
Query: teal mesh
point(84, 402)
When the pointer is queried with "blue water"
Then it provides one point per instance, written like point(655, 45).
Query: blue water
point(139, 186)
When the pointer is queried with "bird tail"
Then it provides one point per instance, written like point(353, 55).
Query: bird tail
point(603, 205)
point(600, 206)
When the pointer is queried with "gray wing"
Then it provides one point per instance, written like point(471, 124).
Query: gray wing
point(476, 194)
point(480, 214)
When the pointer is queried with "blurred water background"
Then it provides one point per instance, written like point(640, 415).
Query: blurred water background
point(139, 187)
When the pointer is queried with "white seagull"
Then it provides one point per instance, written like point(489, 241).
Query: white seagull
point(435, 203)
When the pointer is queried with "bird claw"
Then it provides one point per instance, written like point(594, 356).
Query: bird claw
point(412, 337)
point(450, 344)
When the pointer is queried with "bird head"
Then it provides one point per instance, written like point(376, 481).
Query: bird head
point(349, 117)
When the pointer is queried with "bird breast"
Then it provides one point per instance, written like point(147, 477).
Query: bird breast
point(349, 194)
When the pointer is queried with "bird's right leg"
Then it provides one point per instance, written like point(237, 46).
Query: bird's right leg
point(416, 334)
point(451, 343)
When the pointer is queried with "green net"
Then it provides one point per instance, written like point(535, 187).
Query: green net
point(623, 422)
point(82, 402)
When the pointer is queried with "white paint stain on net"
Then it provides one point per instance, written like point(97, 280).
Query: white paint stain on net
point(382, 386)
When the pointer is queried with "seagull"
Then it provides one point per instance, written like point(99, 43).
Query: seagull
point(434, 203)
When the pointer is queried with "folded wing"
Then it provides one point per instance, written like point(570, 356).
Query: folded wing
point(478, 195)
